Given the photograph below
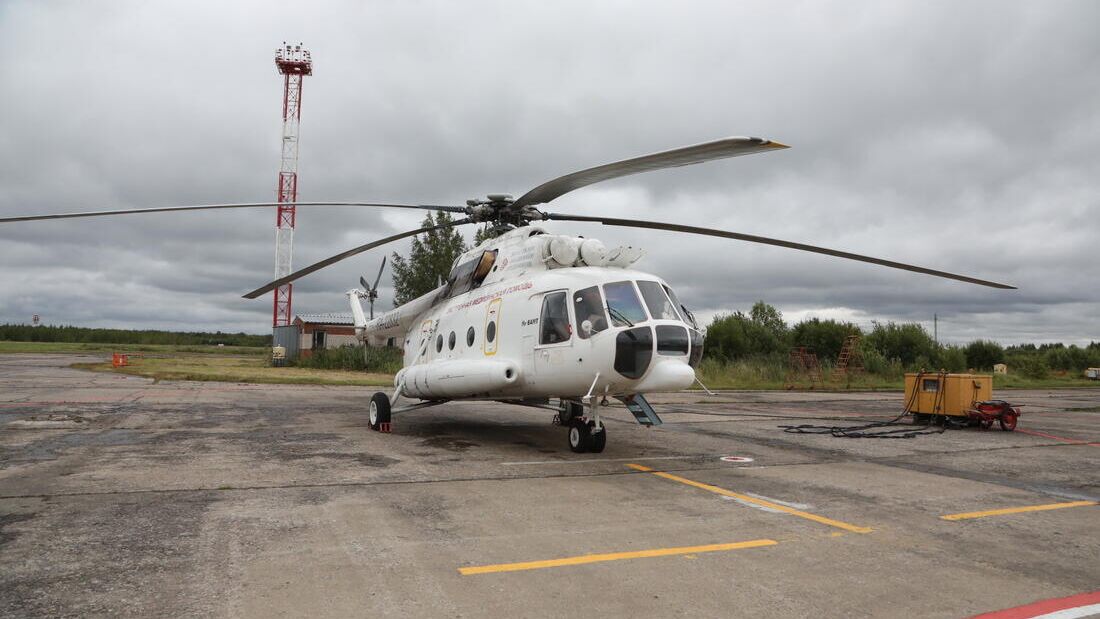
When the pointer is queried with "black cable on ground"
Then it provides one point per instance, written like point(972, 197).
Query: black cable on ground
point(908, 431)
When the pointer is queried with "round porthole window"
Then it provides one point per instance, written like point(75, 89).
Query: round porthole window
point(451, 341)
point(491, 331)
point(439, 343)
point(470, 336)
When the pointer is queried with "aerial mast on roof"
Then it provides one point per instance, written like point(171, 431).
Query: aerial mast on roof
point(294, 64)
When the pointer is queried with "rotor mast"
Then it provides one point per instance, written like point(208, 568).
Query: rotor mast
point(294, 64)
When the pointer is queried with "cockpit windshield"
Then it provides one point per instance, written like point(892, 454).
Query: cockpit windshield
point(660, 307)
point(588, 305)
point(685, 315)
point(623, 304)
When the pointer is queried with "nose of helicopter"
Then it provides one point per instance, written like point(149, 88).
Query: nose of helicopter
point(667, 375)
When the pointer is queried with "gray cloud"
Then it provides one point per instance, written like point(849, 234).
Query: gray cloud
point(959, 137)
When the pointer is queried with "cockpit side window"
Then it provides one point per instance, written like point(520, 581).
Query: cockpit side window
point(554, 321)
point(623, 304)
point(588, 305)
point(657, 301)
point(484, 266)
point(469, 275)
point(459, 281)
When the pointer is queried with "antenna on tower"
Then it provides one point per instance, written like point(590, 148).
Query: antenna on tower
point(294, 64)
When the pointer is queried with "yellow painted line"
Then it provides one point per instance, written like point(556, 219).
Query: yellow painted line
point(1016, 510)
point(611, 556)
point(750, 499)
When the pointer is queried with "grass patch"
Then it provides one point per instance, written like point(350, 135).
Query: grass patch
point(7, 346)
point(770, 373)
point(236, 369)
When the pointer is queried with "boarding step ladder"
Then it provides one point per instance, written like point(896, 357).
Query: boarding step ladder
point(642, 411)
point(850, 360)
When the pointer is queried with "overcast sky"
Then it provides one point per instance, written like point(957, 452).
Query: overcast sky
point(959, 136)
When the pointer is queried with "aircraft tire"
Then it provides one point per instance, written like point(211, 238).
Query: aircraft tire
point(599, 440)
point(379, 411)
point(580, 437)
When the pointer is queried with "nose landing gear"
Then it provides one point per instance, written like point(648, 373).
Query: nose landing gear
point(586, 434)
point(584, 437)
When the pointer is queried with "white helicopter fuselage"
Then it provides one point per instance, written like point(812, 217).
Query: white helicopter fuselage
point(529, 315)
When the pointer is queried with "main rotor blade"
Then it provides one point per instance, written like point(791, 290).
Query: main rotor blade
point(379, 278)
point(688, 155)
point(655, 225)
point(201, 207)
point(317, 266)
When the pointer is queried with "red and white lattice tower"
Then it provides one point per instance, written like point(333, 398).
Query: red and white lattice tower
point(294, 64)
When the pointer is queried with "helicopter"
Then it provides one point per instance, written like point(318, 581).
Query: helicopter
point(550, 321)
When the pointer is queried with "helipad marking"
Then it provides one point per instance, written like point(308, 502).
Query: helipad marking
point(612, 556)
point(1081, 605)
point(1071, 441)
point(735, 459)
point(744, 497)
point(589, 460)
point(1016, 510)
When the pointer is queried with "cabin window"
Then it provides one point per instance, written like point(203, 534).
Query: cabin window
point(491, 331)
point(451, 341)
point(588, 305)
point(439, 343)
point(623, 304)
point(470, 336)
point(660, 307)
point(554, 321)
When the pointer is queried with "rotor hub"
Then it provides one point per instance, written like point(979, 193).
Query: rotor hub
point(497, 208)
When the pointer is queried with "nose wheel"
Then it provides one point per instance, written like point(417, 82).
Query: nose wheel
point(584, 437)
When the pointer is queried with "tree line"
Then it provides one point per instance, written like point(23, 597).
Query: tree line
point(886, 347)
point(69, 334)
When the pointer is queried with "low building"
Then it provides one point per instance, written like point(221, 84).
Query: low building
point(1000, 368)
point(328, 330)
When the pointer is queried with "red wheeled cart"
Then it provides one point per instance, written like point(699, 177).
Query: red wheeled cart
point(986, 412)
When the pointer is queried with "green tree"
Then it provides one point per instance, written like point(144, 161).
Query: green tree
point(485, 232)
point(770, 318)
point(825, 337)
point(735, 336)
point(906, 342)
point(430, 260)
point(983, 354)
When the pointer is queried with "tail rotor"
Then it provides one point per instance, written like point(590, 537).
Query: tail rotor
point(372, 291)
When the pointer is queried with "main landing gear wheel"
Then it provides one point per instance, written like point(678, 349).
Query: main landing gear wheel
point(570, 412)
point(583, 438)
point(379, 413)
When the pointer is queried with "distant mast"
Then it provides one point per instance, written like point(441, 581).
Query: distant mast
point(294, 64)
point(36, 320)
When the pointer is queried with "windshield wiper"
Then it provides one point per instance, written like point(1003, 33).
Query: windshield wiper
point(617, 315)
point(690, 316)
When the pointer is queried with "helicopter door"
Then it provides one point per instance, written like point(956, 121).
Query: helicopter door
point(555, 333)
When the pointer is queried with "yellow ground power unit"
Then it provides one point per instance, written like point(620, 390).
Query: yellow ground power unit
point(939, 393)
